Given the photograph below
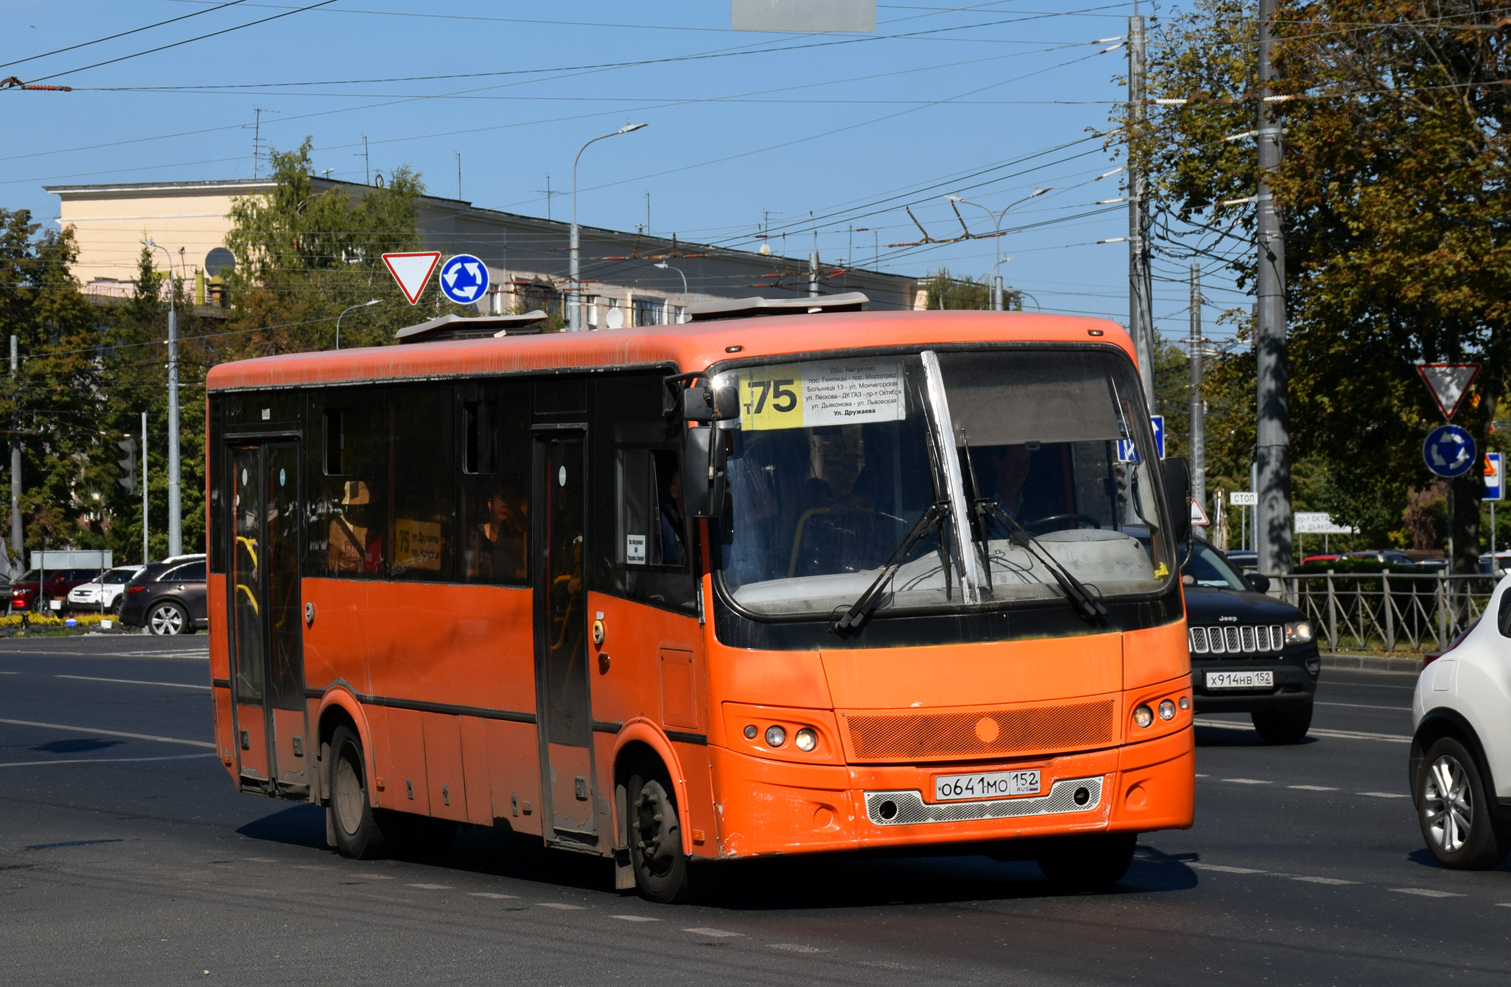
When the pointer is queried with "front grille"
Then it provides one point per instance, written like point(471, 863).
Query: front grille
point(981, 733)
point(1251, 639)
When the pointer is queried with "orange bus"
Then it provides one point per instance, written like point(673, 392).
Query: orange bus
point(808, 581)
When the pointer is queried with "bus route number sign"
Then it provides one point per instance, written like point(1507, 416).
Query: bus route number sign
point(831, 392)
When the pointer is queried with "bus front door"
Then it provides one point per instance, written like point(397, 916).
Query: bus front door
point(563, 713)
point(267, 661)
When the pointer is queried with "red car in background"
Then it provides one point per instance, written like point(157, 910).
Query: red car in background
point(23, 592)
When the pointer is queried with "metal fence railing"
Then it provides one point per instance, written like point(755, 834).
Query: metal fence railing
point(1389, 611)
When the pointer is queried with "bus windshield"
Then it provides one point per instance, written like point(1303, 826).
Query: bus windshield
point(991, 468)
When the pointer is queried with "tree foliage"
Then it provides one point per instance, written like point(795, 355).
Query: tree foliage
point(948, 291)
point(1393, 201)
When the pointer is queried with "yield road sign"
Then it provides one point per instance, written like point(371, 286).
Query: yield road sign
point(1449, 451)
point(412, 271)
point(464, 279)
point(1448, 382)
point(1495, 476)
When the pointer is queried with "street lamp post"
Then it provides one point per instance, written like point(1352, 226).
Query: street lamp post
point(574, 314)
point(175, 515)
point(350, 308)
point(997, 237)
point(663, 265)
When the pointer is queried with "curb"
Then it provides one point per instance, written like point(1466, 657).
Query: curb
point(1396, 664)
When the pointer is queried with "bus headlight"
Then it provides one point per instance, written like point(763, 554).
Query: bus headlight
point(806, 739)
point(1166, 710)
point(1298, 632)
point(775, 736)
point(1143, 715)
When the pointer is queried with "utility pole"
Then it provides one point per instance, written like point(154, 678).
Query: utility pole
point(1272, 516)
point(175, 516)
point(1140, 311)
point(1198, 406)
point(813, 274)
point(15, 460)
point(146, 557)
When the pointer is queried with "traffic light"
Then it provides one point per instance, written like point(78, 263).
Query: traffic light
point(128, 446)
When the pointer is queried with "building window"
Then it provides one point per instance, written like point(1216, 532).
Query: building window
point(650, 312)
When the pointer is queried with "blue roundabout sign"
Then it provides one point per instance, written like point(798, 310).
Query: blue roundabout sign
point(1449, 451)
point(464, 279)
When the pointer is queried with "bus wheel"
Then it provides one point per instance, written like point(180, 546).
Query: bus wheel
point(655, 835)
point(1086, 863)
point(359, 835)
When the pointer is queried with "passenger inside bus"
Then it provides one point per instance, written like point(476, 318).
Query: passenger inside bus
point(354, 544)
point(672, 524)
point(496, 547)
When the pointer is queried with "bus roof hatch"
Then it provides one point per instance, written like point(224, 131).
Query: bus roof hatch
point(744, 308)
point(474, 327)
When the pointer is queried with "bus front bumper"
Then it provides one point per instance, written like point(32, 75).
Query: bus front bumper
point(780, 807)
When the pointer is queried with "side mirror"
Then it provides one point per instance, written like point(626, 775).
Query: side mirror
point(703, 472)
point(1178, 498)
point(1259, 581)
point(705, 403)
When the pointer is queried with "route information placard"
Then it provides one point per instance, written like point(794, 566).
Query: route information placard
point(829, 392)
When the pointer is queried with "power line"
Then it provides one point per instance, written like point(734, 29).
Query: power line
point(121, 34)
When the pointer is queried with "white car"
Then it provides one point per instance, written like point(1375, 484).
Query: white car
point(1460, 762)
point(86, 596)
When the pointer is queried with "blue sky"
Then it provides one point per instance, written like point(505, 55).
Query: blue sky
point(801, 135)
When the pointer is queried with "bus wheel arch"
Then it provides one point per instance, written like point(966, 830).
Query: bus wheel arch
point(653, 839)
point(641, 740)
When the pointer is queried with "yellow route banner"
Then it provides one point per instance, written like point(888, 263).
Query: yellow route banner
point(829, 392)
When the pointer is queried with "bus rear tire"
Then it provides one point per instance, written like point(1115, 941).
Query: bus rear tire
point(358, 828)
point(1086, 863)
point(655, 836)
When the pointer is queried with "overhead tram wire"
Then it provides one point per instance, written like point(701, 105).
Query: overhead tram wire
point(122, 34)
point(177, 44)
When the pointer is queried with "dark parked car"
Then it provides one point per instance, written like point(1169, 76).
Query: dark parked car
point(23, 592)
point(167, 597)
point(1249, 653)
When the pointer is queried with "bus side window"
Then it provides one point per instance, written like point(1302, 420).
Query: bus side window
point(640, 539)
point(421, 531)
point(494, 467)
point(347, 497)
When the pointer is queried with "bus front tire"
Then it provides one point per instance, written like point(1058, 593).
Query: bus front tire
point(1086, 863)
point(359, 832)
point(655, 836)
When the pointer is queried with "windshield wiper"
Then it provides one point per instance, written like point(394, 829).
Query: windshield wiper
point(1087, 605)
point(862, 607)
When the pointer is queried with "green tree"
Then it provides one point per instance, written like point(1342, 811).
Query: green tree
point(1394, 205)
point(946, 291)
point(303, 255)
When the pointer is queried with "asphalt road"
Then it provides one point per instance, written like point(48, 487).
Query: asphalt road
point(126, 858)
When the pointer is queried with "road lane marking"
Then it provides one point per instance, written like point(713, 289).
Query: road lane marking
point(1383, 795)
point(170, 685)
point(101, 760)
point(1427, 892)
point(1398, 709)
point(1322, 880)
point(714, 933)
point(370, 877)
point(563, 906)
point(1393, 738)
point(1247, 781)
point(109, 733)
point(1312, 788)
point(1223, 869)
point(430, 887)
point(793, 947)
point(635, 918)
point(491, 894)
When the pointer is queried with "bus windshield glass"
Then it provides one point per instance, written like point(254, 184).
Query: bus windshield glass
point(974, 474)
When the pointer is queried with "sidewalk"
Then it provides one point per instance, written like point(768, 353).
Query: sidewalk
point(1398, 664)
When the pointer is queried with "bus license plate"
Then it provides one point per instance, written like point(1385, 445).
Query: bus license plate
point(1241, 680)
point(993, 785)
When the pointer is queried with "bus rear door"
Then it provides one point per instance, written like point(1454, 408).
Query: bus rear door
point(267, 661)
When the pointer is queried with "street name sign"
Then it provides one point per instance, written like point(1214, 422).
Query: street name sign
point(412, 270)
point(1318, 523)
point(1449, 451)
point(464, 279)
point(1495, 476)
point(1448, 382)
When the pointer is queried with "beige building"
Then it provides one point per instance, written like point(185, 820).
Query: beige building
point(526, 255)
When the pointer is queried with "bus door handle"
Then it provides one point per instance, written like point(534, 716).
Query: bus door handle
point(603, 663)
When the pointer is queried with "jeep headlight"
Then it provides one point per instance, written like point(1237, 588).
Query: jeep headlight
point(1298, 632)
